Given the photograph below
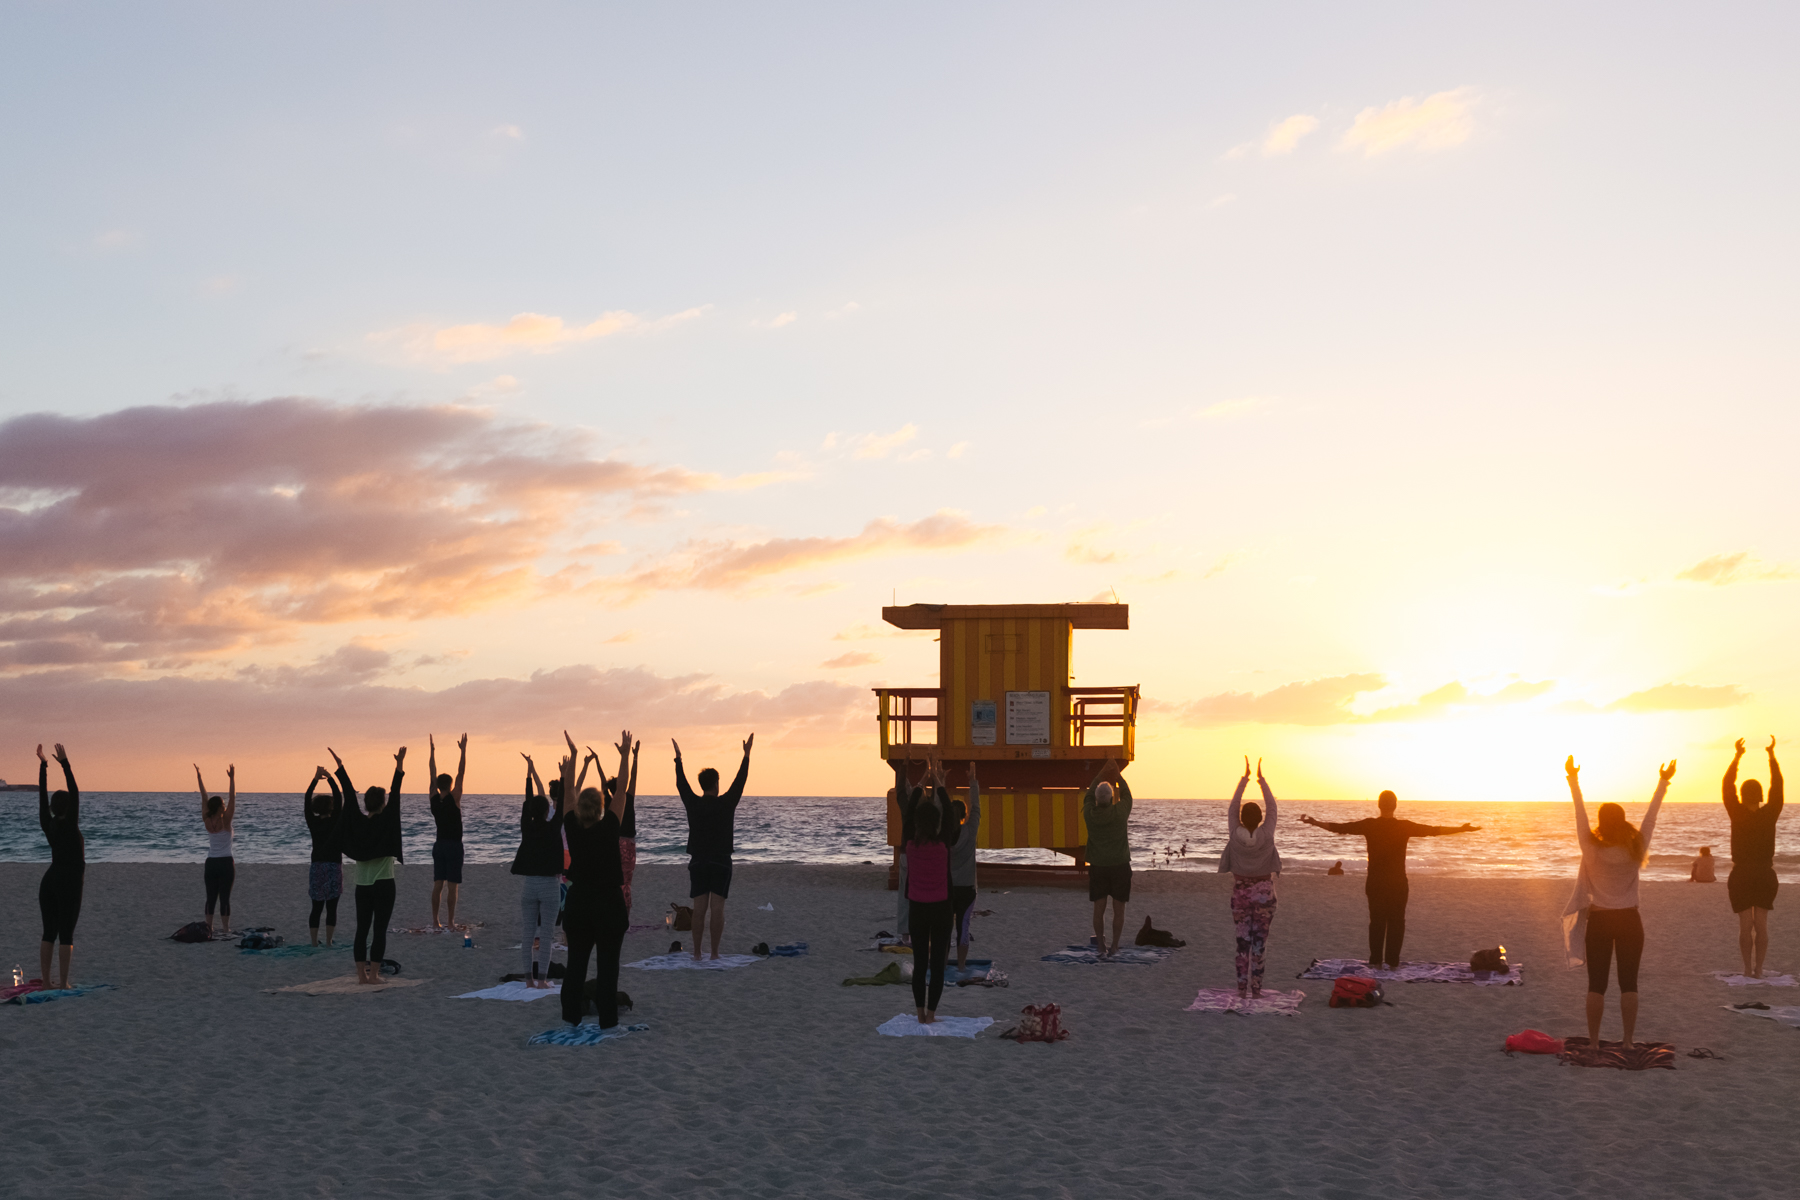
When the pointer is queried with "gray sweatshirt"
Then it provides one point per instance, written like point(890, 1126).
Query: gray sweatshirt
point(962, 853)
point(1249, 853)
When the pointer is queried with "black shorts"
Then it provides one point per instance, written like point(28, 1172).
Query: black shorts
point(709, 879)
point(446, 862)
point(1110, 881)
point(1751, 887)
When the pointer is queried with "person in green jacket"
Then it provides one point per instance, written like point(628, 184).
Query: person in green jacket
point(1106, 807)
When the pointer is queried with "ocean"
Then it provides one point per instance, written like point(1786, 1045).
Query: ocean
point(1518, 839)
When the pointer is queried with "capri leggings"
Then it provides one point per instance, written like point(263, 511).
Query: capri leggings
point(1610, 928)
point(538, 902)
point(221, 873)
point(374, 907)
point(59, 903)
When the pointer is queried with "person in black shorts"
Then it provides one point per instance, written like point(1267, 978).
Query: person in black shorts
point(711, 822)
point(59, 893)
point(1752, 884)
point(447, 850)
point(1106, 807)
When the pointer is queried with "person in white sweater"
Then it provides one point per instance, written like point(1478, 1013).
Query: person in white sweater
point(1251, 858)
point(1602, 916)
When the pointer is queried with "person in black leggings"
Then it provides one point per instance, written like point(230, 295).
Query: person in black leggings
point(325, 875)
point(221, 862)
point(59, 894)
point(931, 913)
point(594, 918)
point(372, 841)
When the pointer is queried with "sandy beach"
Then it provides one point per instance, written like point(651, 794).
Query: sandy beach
point(191, 1078)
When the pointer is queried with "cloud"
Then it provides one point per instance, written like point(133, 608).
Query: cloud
point(1438, 122)
point(1677, 697)
point(510, 132)
point(1082, 549)
point(957, 451)
point(159, 533)
point(1216, 411)
point(871, 445)
point(527, 333)
point(776, 322)
point(1723, 569)
point(732, 566)
point(1315, 702)
point(855, 658)
point(1454, 697)
point(1285, 136)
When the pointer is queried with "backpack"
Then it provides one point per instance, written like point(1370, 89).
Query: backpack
point(684, 917)
point(1354, 991)
point(193, 931)
point(1490, 961)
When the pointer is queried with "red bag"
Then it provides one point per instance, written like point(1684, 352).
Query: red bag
point(1355, 991)
point(1534, 1042)
point(1040, 1023)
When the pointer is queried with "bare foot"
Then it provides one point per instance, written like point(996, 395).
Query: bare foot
point(715, 956)
point(930, 1019)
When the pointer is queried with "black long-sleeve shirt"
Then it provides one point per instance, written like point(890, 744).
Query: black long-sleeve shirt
point(909, 796)
point(324, 829)
point(1387, 838)
point(1753, 829)
point(362, 837)
point(712, 820)
point(540, 838)
point(68, 849)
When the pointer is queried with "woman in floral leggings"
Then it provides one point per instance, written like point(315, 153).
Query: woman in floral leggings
point(1251, 858)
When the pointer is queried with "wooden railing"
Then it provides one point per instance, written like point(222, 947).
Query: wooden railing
point(1089, 709)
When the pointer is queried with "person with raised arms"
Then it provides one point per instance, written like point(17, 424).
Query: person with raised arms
point(1386, 886)
point(962, 865)
point(59, 892)
point(1752, 884)
point(221, 862)
point(594, 918)
point(539, 861)
point(1106, 807)
point(711, 822)
point(929, 835)
point(1602, 914)
point(371, 840)
point(325, 871)
point(627, 822)
point(447, 848)
point(1254, 863)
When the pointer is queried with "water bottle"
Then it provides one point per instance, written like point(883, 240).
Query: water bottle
point(468, 941)
point(18, 976)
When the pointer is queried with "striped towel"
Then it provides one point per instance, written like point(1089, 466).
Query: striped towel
point(582, 1035)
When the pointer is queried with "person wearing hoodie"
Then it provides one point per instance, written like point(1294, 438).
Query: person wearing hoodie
point(1251, 859)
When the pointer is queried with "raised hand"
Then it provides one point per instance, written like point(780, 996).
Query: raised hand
point(1570, 769)
point(1468, 828)
point(62, 756)
point(462, 743)
point(334, 756)
point(41, 757)
point(432, 740)
point(1246, 766)
point(1666, 772)
point(635, 747)
point(972, 778)
point(747, 742)
point(400, 756)
point(624, 743)
point(1771, 746)
point(231, 772)
point(1740, 748)
point(1259, 769)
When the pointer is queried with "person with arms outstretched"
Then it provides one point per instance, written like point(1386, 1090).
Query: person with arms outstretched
point(711, 825)
point(1602, 915)
point(221, 863)
point(1106, 807)
point(1253, 862)
point(59, 892)
point(1386, 886)
point(325, 872)
point(447, 849)
point(1752, 885)
point(371, 840)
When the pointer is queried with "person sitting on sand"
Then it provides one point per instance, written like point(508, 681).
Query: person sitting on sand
point(711, 818)
point(1337, 868)
point(1704, 868)
point(59, 892)
point(1386, 886)
point(928, 894)
point(325, 871)
point(371, 840)
point(962, 866)
point(539, 861)
point(221, 865)
point(1106, 807)
point(1606, 899)
point(447, 849)
point(1752, 885)
point(595, 920)
point(1253, 862)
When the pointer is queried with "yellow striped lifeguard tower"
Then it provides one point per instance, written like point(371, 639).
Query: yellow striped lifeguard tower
point(1004, 700)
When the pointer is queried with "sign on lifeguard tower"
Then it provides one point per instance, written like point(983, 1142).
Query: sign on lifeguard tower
point(1004, 700)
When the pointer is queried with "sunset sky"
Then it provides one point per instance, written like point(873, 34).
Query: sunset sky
point(1424, 379)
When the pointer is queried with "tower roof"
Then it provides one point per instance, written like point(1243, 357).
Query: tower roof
point(1079, 616)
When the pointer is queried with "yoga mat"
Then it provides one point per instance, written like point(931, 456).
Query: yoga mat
point(582, 1035)
point(346, 985)
point(1732, 979)
point(1285, 1004)
point(888, 974)
point(1412, 972)
point(1143, 956)
point(511, 991)
point(456, 929)
point(1643, 1056)
point(1787, 1014)
point(686, 962)
point(45, 995)
point(978, 968)
point(907, 1025)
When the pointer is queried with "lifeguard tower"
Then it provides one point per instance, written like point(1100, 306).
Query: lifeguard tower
point(1004, 700)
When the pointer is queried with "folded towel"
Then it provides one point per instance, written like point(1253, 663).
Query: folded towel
point(907, 1025)
point(788, 950)
point(582, 1035)
point(346, 985)
point(1735, 980)
point(1787, 1014)
point(1286, 1004)
point(687, 962)
point(1144, 956)
point(28, 995)
point(888, 974)
point(1413, 972)
point(1642, 1056)
point(512, 991)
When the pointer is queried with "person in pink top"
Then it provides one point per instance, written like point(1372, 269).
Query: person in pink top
point(928, 900)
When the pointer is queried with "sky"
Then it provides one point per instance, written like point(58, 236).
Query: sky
point(1423, 378)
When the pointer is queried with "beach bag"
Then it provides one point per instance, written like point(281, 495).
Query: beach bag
point(1490, 962)
point(684, 917)
point(1533, 1041)
point(1354, 991)
point(1040, 1023)
point(193, 931)
point(1149, 936)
